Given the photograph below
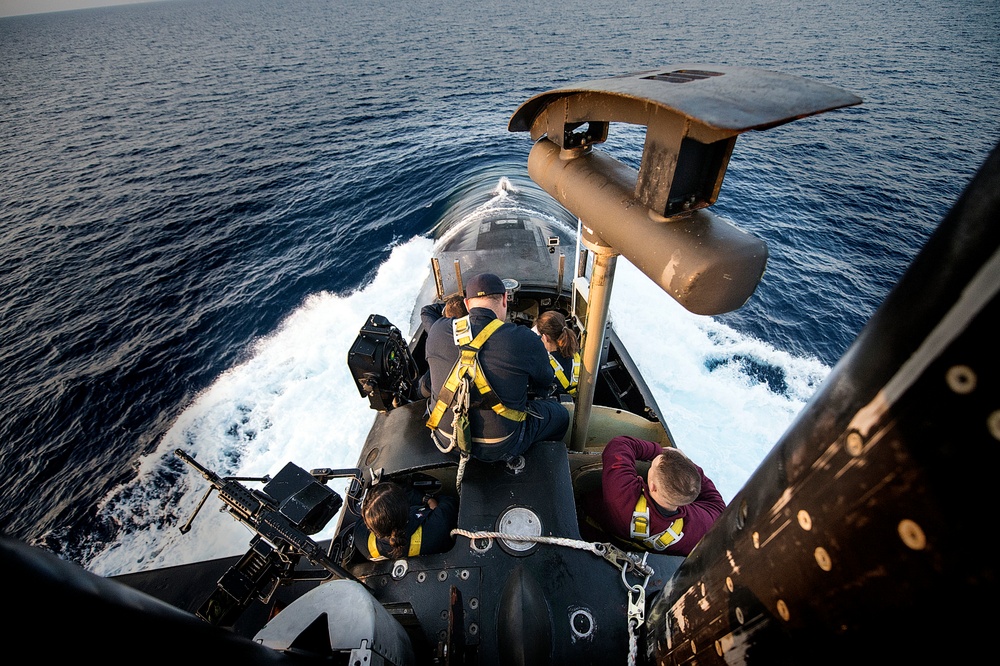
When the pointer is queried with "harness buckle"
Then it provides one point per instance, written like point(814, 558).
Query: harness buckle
point(625, 560)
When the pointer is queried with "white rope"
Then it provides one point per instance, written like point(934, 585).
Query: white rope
point(633, 643)
point(594, 548)
point(463, 459)
point(440, 448)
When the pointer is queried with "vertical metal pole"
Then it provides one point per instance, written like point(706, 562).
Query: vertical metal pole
point(601, 281)
point(458, 277)
point(436, 267)
point(562, 270)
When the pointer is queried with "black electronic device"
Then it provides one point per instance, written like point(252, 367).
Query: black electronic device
point(383, 368)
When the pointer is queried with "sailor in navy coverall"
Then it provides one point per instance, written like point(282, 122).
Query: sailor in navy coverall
point(512, 359)
point(431, 519)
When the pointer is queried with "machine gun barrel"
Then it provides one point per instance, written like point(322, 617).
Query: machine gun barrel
point(239, 500)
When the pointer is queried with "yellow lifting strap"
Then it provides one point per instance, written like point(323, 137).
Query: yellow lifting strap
point(567, 383)
point(639, 529)
point(414, 549)
point(468, 365)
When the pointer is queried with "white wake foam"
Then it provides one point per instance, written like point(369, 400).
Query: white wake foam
point(295, 400)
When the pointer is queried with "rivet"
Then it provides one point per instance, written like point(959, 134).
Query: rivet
point(473, 629)
point(464, 574)
point(473, 603)
point(694, 648)
point(702, 588)
point(729, 583)
point(741, 516)
point(912, 535)
point(739, 615)
point(442, 575)
point(756, 541)
point(961, 379)
point(823, 559)
point(783, 610)
point(805, 520)
point(421, 577)
point(855, 444)
point(993, 423)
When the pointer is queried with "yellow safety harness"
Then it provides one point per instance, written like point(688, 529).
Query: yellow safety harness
point(455, 392)
point(413, 550)
point(567, 383)
point(639, 529)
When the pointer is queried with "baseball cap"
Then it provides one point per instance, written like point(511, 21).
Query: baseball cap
point(484, 284)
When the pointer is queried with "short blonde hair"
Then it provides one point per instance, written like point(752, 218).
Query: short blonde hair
point(679, 478)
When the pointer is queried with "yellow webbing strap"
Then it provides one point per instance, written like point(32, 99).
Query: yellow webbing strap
point(461, 328)
point(639, 529)
point(467, 364)
point(415, 539)
point(640, 519)
point(668, 536)
point(576, 374)
point(568, 384)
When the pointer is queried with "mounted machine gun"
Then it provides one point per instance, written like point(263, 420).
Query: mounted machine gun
point(292, 506)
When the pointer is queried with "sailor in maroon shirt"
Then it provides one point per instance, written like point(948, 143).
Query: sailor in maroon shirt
point(669, 512)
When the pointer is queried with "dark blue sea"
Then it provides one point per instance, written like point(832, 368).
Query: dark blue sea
point(201, 202)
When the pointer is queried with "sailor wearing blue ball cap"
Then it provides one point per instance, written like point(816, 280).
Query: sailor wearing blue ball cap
point(501, 421)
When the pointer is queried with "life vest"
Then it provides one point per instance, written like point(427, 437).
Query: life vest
point(567, 383)
point(639, 529)
point(466, 370)
point(414, 549)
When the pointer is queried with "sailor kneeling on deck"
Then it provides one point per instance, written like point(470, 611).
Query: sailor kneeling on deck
point(667, 512)
point(393, 524)
point(504, 360)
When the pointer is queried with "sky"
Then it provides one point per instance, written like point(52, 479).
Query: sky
point(17, 7)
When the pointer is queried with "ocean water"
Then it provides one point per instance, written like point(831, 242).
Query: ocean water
point(202, 201)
